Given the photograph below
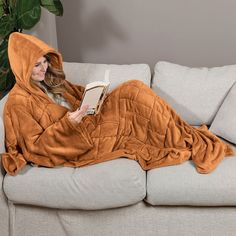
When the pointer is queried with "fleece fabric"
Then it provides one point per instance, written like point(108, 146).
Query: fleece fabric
point(134, 122)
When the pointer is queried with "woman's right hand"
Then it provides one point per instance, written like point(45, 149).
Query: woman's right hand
point(77, 116)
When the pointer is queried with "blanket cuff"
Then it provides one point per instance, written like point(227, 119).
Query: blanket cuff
point(13, 164)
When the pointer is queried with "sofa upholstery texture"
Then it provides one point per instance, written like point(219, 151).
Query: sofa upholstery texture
point(118, 197)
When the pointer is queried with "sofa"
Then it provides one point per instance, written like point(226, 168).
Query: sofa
point(119, 198)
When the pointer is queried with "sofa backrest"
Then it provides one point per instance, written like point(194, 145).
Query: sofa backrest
point(84, 73)
point(2, 131)
point(195, 93)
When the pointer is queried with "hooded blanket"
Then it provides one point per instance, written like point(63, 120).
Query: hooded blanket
point(134, 122)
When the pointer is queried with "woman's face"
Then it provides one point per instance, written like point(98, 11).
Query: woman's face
point(39, 70)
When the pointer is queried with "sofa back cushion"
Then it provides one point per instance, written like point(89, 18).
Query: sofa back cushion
point(195, 93)
point(84, 73)
point(224, 123)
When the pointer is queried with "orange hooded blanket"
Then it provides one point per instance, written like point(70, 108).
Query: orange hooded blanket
point(134, 123)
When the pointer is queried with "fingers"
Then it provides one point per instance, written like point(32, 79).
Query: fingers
point(78, 115)
point(84, 109)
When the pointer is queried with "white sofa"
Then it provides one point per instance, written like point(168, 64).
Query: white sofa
point(117, 197)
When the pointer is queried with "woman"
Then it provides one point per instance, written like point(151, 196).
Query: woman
point(44, 125)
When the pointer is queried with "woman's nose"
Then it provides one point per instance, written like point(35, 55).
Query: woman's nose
point(43, 68)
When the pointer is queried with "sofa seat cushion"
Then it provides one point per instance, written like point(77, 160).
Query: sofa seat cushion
point(182, 185)
point(106, 185)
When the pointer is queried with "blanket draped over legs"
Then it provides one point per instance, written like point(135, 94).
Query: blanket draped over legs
point(138, 124)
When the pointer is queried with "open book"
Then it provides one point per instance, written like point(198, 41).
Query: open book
point(95, 93)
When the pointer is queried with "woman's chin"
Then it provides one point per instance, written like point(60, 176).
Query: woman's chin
point(40, 78)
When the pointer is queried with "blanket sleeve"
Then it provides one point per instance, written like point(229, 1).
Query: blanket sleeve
point(28, 141)
point(74, 93)
point(12, 161)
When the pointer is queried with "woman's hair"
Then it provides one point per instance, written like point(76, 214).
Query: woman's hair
point(54, 78)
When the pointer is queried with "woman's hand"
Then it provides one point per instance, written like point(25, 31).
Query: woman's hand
point(77, 116)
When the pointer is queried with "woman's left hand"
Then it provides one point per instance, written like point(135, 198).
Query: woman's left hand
point(77, 116)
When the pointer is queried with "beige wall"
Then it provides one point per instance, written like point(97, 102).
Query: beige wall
point(45, 29)
point(188, 32)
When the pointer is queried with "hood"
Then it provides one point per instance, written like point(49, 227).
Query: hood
point(23, 51)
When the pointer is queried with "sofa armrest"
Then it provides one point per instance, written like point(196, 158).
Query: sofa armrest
point(4, 210)
point(2, 170)
point(2, 144)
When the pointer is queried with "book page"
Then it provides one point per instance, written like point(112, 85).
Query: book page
point(92, 96)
